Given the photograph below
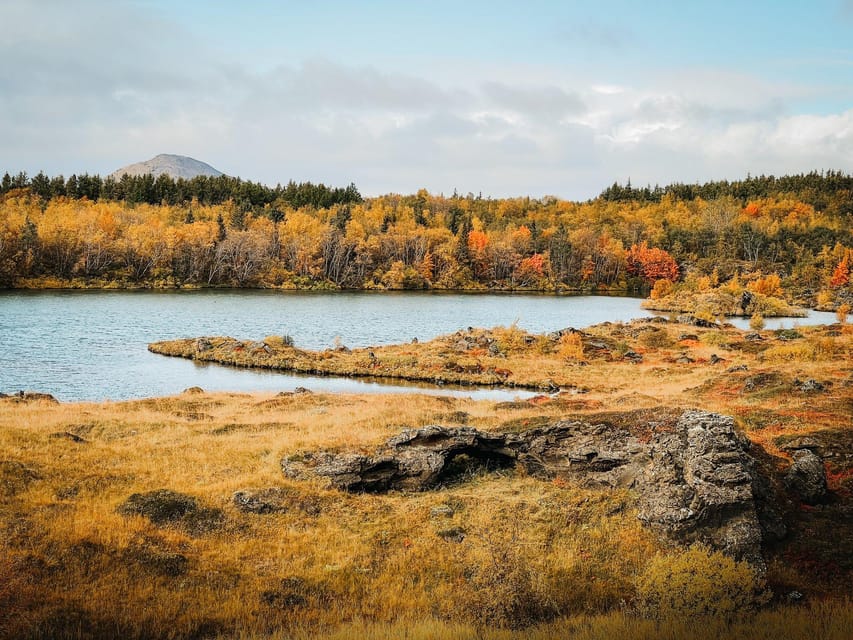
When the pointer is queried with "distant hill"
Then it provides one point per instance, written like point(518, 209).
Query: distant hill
point(170, 164)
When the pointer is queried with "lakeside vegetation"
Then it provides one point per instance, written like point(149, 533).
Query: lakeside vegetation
point(494, 554)
point(87, 232)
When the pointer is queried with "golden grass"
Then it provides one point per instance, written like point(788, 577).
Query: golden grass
point(532, 553)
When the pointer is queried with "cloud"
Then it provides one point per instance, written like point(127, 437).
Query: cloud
point(94, 86)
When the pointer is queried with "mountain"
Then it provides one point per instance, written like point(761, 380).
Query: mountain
point(170, 164)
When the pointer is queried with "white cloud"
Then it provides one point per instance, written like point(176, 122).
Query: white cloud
point(92, 95)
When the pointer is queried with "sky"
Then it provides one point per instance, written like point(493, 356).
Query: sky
point(501, 98)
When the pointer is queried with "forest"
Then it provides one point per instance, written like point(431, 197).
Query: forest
point(790, 236)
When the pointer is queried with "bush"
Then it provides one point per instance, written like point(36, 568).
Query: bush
point(656, 339)
point(698, 583)
point(756, 322)
point(661, 289)
point(278, 342)
point(571, 346)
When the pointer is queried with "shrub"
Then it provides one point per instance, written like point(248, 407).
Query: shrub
point(279, 341)
point(842, 312)
point(656, 339)
point(696, 583)
point(571, 346)
point(662, 288)
point(756, 322)
point(825, 299)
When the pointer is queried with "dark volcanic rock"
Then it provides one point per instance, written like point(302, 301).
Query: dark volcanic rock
point(694, 481)
point(807, 476)
point(698, 486)
point(416, 459)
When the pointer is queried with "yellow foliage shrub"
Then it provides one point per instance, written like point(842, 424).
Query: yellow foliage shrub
point(571, 346)
point(756, 322)
point(768, 285)
point(661, 289)
point(824, 299)
point(696, 583)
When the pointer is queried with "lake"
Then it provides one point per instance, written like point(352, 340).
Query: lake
point(92, 345)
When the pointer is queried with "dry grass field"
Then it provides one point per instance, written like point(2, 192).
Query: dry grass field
point(493, 554)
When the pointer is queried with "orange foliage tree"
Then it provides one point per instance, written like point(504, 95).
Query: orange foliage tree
point(651, 264)
point(841, 274)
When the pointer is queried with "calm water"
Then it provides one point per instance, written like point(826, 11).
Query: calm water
point(91, 345)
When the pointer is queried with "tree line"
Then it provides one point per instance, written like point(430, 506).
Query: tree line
point(164, 189)
point(421, 240)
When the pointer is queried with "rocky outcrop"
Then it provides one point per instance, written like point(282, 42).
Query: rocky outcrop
point(694, 479)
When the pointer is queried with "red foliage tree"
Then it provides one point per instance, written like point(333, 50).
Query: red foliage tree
point(841, 275)
point(651, 264)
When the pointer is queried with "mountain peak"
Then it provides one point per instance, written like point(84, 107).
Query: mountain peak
point(171, 164)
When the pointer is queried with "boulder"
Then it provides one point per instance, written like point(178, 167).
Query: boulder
point(810, 385)
point(807, 476)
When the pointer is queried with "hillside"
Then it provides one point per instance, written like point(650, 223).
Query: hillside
point(170, 164)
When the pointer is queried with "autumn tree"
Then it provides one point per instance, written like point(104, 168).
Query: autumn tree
point(651, 264)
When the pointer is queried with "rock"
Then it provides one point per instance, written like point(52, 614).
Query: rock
point(753, 337)
point(735, 369)
point(262, 501)
point(761, 381)
point(417, 459)
point(807, 476)
point(202, 345)
point(463, 345)
point(689, 336)
point(694, 479)
point(746, 300)
point(161, 506)
point(302, 391)
point(684, 359)
point(715, 359)
point(442, 511)
point(454, 534)
point(809, 386)
point(688, 318)
point(193, 391)
point(632, 356)
point(699, 487)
